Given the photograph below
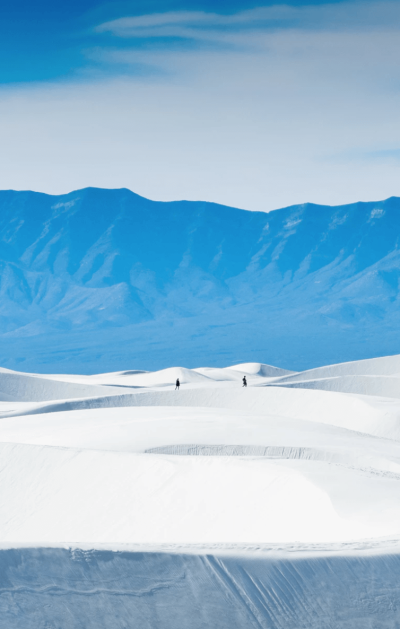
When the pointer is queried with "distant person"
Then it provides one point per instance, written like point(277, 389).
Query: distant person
point(177, 384)
point(244, 381)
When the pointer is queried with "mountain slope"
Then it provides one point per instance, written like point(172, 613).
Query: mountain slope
point(99, 280)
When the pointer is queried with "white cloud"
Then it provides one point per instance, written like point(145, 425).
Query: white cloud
point(197, 24)
point(127, 26)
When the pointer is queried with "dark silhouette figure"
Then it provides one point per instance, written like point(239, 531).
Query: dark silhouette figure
point(178, 384)
point(244, 381)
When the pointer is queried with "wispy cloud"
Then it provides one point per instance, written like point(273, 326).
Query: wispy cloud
point(385, 155)
point(198, 24)
point(366, 155)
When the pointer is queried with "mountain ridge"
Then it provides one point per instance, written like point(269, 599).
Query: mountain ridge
point(115, 277)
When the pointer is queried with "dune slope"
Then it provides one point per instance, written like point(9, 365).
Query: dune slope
point(273, 506)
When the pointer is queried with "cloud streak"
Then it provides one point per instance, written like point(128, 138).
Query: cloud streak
point(349, 16)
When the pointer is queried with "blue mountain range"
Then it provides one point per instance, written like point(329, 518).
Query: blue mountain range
point(103, 280)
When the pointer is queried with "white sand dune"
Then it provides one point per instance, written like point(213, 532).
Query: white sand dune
point(364, 414)
point(95, 497)
point(376, 377)
point(18, 387)
point(73, 588)
point(259, 369)
point(384, 386)
point(123, 461)
point(384, 366)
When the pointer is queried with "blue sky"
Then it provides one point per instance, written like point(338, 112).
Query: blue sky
point(48, 40)
point(249, 104)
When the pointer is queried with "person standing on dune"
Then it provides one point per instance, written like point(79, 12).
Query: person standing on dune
point(177, 384)
point(244, 381)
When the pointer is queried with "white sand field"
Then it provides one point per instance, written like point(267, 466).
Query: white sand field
point(273, 505)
